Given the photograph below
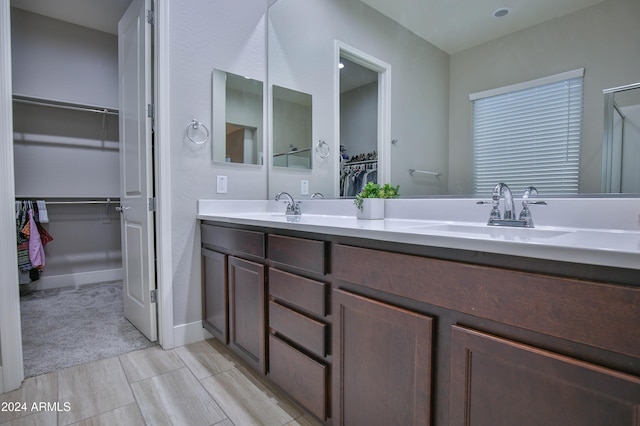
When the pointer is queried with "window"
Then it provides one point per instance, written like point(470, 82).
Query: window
point(529, 134)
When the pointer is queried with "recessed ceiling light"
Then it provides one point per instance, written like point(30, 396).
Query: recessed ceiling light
point(503, 11)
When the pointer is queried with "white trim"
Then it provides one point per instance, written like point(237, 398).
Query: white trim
point(10, 325)
point(78, 279)
point(164, 268)
point(527, 84)
point(190, 333)
point(384, 104)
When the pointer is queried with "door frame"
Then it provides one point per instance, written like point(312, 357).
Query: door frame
point(11, 363)
point(11, 357)
point(384, 106)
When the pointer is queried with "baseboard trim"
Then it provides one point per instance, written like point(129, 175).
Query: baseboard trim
point(189, 333)
point(77, 280)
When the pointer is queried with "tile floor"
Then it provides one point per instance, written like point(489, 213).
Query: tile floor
point(197, 384)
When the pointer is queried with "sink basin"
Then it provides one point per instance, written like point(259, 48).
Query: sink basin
point(501, 232)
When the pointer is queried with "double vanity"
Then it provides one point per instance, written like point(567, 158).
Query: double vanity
point(430, 316)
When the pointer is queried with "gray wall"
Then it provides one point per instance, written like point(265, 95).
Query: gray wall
point(63, 153)
point(204, 35)
point(602, 39)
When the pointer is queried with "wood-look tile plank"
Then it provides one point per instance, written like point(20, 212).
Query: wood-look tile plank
point(93, 389)
point(206, 358)
point(37, 389)
point(306, 420)
point(43, 418)
point(129, 415)
point(176, 398)
point(247, 401)
point(149, 362)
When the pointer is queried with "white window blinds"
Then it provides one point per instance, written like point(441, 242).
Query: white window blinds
point(529, 136)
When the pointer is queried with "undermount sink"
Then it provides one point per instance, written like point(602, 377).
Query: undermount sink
point(501, 232)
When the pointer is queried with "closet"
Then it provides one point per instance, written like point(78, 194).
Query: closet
point(65, 85)
point(66, 153)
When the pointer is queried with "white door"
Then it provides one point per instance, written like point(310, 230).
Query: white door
point(136, 171)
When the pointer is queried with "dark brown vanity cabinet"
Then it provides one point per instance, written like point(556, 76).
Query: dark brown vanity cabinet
point(215, 290)
point(382, 363)
point(299, 334)
point(366, 332)
point(498, 381)
point(558, 361)
point(234, 291)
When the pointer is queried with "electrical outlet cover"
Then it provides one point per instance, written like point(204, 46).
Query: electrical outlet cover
point(221, 184)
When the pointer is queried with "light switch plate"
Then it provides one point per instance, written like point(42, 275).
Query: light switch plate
point(304, 187)
point(221, 184)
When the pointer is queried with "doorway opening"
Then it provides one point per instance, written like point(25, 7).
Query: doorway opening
point(66, 154)
point(363, 119)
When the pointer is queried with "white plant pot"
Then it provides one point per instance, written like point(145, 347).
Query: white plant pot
point(372, 208)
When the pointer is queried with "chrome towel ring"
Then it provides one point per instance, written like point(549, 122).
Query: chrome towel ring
point(323, 150)
point(193, 129)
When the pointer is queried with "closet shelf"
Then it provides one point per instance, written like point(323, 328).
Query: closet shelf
point(73, 200)
point(64, 105)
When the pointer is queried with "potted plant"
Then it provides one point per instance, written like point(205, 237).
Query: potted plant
point(370, 201)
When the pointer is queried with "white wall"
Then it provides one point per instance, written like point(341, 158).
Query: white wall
point(228, 35)
point(56, 60)
point(603, 39)
point(358, 119)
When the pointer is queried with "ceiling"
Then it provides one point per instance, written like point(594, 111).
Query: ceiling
point(451, 25)
point(101, 15)
point(456, 25)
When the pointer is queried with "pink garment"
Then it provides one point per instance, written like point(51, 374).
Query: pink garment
point(36, 249)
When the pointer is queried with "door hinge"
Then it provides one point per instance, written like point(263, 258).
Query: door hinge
point(151, 17)
point(150, 111)
point(154, 296)
point(152, 204)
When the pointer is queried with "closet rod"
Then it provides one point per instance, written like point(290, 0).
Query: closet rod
point(351, 163)
point(105, 201)
point(64, 105)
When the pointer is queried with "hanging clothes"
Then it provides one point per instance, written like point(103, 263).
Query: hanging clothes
point(36, 249)
point(31, 238)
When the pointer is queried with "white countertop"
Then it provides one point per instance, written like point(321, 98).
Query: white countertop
point(617, 247)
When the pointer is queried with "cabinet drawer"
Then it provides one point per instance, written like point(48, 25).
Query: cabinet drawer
point(303, 330)
point(307, 294)
point(300, 376)
point(235, 241)
point(309, 255)
point(556, 306)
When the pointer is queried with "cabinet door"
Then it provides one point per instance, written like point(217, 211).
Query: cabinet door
point(215, 307)
point(382, 363)
point(247, 329)
point(495, 381)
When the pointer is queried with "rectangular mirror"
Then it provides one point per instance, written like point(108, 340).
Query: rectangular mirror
point(291, 125)
point(237, 109)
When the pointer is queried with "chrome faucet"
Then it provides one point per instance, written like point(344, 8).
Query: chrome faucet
point(500, 190)
point(509, 219)
point(316, 195)
point(293, 207)
point(525, 214)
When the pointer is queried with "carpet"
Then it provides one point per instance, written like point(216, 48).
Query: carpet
point(69, 326)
